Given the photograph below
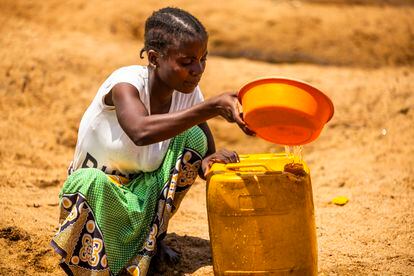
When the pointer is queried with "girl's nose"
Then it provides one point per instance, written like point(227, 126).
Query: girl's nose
point(197, 69)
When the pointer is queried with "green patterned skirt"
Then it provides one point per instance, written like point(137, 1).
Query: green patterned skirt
point(107, 225)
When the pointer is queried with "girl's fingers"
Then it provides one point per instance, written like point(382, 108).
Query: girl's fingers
point(237, 157)
point(236, 114)
point(248, 131)
point(234, 157)
point(238, 118)
point(228, 156)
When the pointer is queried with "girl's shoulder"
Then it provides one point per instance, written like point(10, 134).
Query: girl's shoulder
point(131, 70)
point(136, 75)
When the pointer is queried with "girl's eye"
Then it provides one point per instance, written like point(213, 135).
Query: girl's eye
point(189, 61)
point(186, 62)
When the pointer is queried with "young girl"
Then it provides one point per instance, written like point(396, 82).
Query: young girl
point(141, 144)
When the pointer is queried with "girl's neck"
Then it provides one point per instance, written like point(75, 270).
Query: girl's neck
point(160, 94)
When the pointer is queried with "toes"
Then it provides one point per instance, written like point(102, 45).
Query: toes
point(168, 254)
point(175, 258)
point(172, 256)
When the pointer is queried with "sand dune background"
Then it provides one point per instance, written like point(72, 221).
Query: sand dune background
point(54, 55)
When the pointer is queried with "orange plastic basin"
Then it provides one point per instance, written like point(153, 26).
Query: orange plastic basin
point(285, 111)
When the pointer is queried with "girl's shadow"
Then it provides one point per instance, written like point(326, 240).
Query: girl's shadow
point(195, 253)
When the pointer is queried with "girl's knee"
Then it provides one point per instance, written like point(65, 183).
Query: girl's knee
point(85, 179)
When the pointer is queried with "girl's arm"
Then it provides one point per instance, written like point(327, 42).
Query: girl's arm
point(211, 145)
point(144, 129)
point(211, 148)
point(221, 156)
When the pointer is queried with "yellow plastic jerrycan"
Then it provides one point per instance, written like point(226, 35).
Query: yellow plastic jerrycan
point(261, 217)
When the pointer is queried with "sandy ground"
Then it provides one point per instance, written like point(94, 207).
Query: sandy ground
point(55, 54)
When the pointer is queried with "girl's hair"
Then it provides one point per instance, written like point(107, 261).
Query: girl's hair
point(168, 26)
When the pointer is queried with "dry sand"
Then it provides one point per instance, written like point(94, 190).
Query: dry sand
point(55, 54)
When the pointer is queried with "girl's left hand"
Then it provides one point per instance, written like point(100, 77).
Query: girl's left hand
point(222, 156)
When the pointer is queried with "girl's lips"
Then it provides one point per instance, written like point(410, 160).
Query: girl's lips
point(191, 83)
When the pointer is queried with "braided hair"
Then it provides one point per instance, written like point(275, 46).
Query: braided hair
point(169, 26)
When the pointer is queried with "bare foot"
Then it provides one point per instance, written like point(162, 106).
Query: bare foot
point(164, 258)
point(167, 254)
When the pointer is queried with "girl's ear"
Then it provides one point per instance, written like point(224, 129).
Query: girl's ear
point(153, 57)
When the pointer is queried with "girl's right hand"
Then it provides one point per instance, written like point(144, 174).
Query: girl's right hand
point(230, 109)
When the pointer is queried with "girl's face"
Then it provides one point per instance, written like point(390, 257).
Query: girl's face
point(183, 65)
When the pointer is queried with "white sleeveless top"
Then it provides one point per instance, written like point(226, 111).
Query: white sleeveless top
point(103, 144)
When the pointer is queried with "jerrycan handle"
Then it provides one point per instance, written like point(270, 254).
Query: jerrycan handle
point(238, 166)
